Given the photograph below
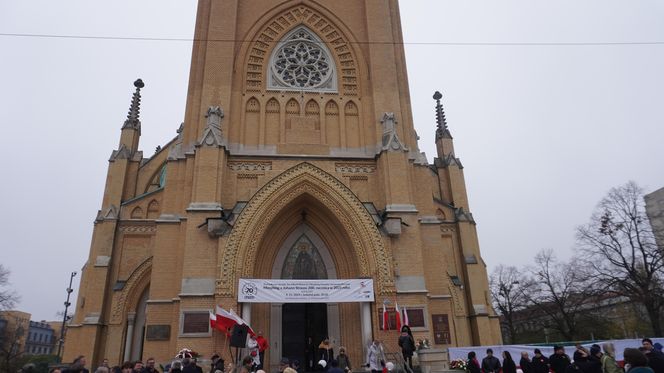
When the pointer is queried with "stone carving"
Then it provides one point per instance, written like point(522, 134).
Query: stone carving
point(138, 229)
point(302, 62)
point(463, 215)
point(239, 255)
point(134, 109)
point(212, 134)
point(122, 153)
point(391, 141)
point(249, 166)
point(355, 168)
point(331, 36)
point(110, 213)
point(176, 151)
point(132, 290)
point(441, 123)
point(451, 160)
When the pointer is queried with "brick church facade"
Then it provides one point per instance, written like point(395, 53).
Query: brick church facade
point(298, 140)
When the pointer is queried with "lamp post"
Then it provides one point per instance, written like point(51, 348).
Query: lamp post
point(65, 318)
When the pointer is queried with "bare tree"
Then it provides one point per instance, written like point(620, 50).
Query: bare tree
point(559, 291)
point(12, 336)
point(7, 297)
point(508, 288)
point(621, 251)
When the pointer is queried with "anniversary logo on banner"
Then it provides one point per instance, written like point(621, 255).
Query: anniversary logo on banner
point(305, 291)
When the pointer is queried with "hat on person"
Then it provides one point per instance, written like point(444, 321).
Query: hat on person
point(322, 363)
point(558, 347)
point(537, 351)
point(284, 361)
point(595, 349)
point(215, 356)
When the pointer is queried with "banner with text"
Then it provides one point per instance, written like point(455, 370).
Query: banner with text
point(305, 291)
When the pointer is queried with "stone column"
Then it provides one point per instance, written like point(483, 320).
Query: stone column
point(246, 313)
point(366, 326)
point(131, 318)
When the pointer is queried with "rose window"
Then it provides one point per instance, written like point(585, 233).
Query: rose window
point(302, 62)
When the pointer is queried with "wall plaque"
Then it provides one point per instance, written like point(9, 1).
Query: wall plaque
point(195, 322)
point(441, 329)
point(158, 332)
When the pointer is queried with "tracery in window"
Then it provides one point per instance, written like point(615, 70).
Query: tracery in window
point(302, 62)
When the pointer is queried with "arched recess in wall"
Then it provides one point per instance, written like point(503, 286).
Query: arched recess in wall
point(153, 209)
point(126, 300)
point(332, 124)
point(353, 130)
point(241, 253)
point(292, 111)
point(282, 19)
point(272, 120)
point(137, 213)
point(252, 122)
point(312, 112)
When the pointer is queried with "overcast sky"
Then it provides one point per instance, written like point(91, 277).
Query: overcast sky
point(544, 130)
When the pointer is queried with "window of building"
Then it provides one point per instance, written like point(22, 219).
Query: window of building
point(195, 323)
point(302, 62)
point(416, 317)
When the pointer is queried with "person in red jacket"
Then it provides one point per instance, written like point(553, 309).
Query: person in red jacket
point(262, 346)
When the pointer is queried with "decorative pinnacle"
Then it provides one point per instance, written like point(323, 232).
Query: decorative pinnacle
point(441, 122)
point(134, 110)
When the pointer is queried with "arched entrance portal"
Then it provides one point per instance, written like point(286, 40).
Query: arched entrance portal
point(302, 326)
point(306, 198)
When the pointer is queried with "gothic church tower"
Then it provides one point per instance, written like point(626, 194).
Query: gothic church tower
point(297, 146)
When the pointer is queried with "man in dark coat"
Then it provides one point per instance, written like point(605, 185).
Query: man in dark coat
point(655, 358)
point(559, 361)
point(539, 364)
point(217, 364)
point(490, 364)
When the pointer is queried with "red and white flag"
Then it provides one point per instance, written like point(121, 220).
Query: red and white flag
point(396, 308)
point(405, 317)
point(213, 320)
point(386, 321)
point(225, 320)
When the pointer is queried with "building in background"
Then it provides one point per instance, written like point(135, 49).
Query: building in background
point(297, 159)
point(655, 212)
point(41, 339)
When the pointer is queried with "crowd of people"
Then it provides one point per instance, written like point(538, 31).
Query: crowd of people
point(598, 359)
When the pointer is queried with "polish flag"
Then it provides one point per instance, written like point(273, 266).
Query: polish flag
point(225, 320)
point(396, 308)
point(213, 320)
point(405, 317)
point(386, 321)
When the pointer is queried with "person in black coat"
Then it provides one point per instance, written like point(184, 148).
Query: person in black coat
point(539, 364)
point(582, 363)
point(559, 361)
point(524, 363)
point(509, 366)
point(473, 364)
point(490, 364)
point(407, 344)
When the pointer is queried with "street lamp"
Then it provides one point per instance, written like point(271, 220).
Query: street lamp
point(65, 318)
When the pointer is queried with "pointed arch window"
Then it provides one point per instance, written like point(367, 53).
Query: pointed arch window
point(302, 62)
